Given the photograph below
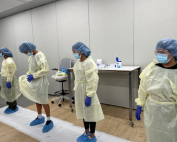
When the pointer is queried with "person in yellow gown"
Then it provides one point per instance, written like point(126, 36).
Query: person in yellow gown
point(34, 85)
point(87, 104)
point(158, 94)
point(10, 89)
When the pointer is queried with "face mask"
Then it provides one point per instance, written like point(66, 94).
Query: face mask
point(163, 58)
point(1, 55)
point(30, 54)
point(77, 56)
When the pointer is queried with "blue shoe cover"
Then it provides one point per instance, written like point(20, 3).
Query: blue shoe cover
point(6, 110)
point(37, 121)
point(80, 139)
point(48, 127)
point(89, 139)
point(10, 111)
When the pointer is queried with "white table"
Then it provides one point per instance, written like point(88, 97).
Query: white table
point(128, 69)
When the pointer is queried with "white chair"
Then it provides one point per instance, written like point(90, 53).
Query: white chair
point(65, 63)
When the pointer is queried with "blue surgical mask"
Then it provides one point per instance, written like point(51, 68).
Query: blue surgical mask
point(77, 56)
point(163, 58)
point(1, 55)
point(30, 54)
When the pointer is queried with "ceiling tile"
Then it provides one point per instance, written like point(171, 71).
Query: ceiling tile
point(26, 0)
point(4, 7)
point(13, 2)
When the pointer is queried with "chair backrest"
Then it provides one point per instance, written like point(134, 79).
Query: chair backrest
point(65, 63)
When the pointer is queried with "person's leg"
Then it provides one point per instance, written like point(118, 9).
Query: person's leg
point(39, 110)
point(49, 123)
point(12, 105)
point(92, 129)
point(86, 125)
point(47, 111)
point(7, 103)
point(39, 119)
point(86, 134)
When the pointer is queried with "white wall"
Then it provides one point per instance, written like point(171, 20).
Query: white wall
point(72, 23)
point(111, 36)
point(154, 20)
point(128, 29)
point(45, 37)
point(22, 32)
point(7, 35)
point(111, 30)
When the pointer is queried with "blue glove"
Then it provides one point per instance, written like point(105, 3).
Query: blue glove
point(30, 78)
point(88, 101)
point(64, 70)
point(8, 85)
point(138, 112)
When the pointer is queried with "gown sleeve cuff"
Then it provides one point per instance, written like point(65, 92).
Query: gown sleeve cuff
point(139, 102)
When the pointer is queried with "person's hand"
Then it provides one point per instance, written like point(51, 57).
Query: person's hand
point(30, 78)
point(88, 101)
point(138, 112)
point(9, 85)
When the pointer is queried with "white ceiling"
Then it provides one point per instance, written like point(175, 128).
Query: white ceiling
point(9, 4)
point(11, 7)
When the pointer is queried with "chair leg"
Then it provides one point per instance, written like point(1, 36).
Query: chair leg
point(57, 98)
point(61, 98)
point(66, 97)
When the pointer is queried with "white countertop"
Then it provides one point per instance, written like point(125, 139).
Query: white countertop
point(123, 68)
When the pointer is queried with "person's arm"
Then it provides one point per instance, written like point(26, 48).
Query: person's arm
point(74, 71)
point(11, 68)
point(44, 67)
point(74, 85)
point(91, 75)
point(142, 93)
point(29, 72)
